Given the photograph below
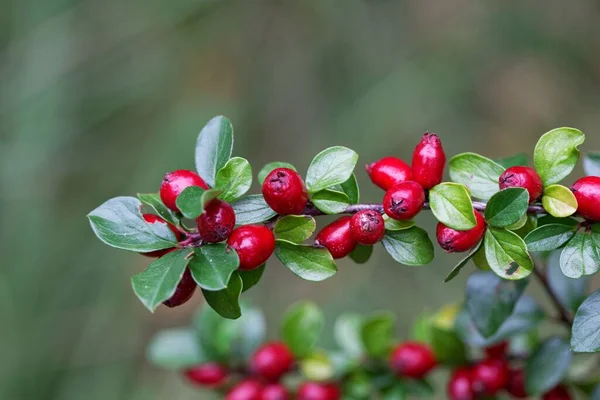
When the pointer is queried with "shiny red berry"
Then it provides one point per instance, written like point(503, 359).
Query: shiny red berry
point(175, 182)
point(254, 245)
point(404, 200)
point(587, 193)
point(217, 222)
point(271, 361)
point(460, 385)
point(153, 219)
point(274, 391)
point(497, 350)
point(412, 360)
point(184, 291)
point(453, 241)
point(516, 384)
point(285, 192)
point(490, 376)
point(389, 171)
point(367, 227)
point(523, 177)
point(210, 374)
point(337, 238)
point(428, 161)
point(558, 393)
point(318, 391)
point(248, 389)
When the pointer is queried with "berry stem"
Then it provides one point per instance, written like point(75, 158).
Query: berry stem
point(563, 314)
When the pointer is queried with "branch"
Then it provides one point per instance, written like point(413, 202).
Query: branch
point(563, 314)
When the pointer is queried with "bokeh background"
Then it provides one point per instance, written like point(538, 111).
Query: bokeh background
point(101, 98)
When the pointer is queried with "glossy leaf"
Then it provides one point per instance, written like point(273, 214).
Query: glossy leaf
point(456, 270)
point(330, 167)
point(267, 169)
point(580, 256)
point(507, 254)
point(397, 225)
point(252, 277)
point(234, 179)
point(570, 292)
point(347, 333)
point(350, 188)
point(361, 254)
point(175, 349)
point(193, 199)
point(301, 327)
point(520, 159)
point(213, 148)
point(452, 206)
point(376, 333)
point(330, 201)
point(309, 263)
point(591, 164)
point(409, 247)
point(559, 201)
point(295, 228)
point(252, 209)
point(556, 154)
point(213, 265)
point(585, 338)
point(547, 366)
point(226, 302)
point(478, 173)
point(506, 207)
point(153, 201)
point(549, 237)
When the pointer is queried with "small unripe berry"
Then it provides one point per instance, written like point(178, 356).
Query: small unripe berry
point(558, 393)
point(318, 391)
point(516, 384)
point(337, 238)
point(587, 193)
point(274, 391)
point(271, 361)
point(184, 291)
point(389, 171)
point(404, 200)
point(460, 385)
point(453, 241)
point(490, 376)
point(175, 182)
point(428, 161)
point(367, 227)
point(254, 245)
point(210, 374)
point(412, 360)
point(248, 389)
point(285, 192)
point(523, 177)
point(217, 222)
point(153, 219)
point(497, 350)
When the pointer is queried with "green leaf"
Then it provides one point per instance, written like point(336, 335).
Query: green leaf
point(301, 327)
point(549, 237)
point(175, 349)
point(506, 207)
point(119, 223)
point(213, 148)
point(520, 159)
point(478, 173)
point(252, 209)
point(547, 366)
point(193, 199)
point(396, 392)
point(350, 188)
point(153, 201)
point(311, 264)
point(252, 277)
point(445, 343)
point(330, 201)
point(456, 270)
point(317, 367)
point(295, 228)
point(520, 224)
point(556, 154)
point(559, 201)
point(479, 258)
point(267, 169)
point(361, 254)
point(213, 265)
point(330, 167)
point(409, 247)
point(507, 254)
point(158, 283)
point(397, 225)
point(570, 292)
point(585, 338)
point(376, 334)
point(419, 388)
point(452, 206)
point(580, 256)
point(226, 302)
point(591, 164)
point(490, 300)
point(234, 179)
point(347, 331)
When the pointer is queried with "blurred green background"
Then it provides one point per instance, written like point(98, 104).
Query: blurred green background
point(101, 98)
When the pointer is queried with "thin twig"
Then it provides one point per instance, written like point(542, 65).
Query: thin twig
point(563, 315)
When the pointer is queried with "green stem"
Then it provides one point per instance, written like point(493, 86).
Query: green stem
point(563, 314)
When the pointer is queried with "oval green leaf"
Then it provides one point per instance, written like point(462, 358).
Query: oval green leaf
point(452, 206)
point(252, 209)
point(213, 148)
point(456, 270)
point(556, 154)
point(580, 256)
point(155, 203)
point(252, 277)
point(301, 327)
point(397, 225)
point(234, 179)
point(330, 201)
point(559, 201)
point(547, 366)
point(361, 254)
point(507, 207)
point(409, 247)
point(226, 302)
point(350, 188)
point(332, 166)
point(307, 262)
point(507, 255)
point(213, 265)
point(346, 331)
point(295, 228)
point(478, 173)
point(549, 237)
point(376, 334)
point(193, 199)
point(175, 349)
point(585, 338)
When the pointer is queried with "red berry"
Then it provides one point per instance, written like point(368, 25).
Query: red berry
point(210, 374)
point(217, 221)
point(389, 171)
point(285, 192)
point(318, 391)
point(490, 376)
point(516, 384)
point(175, 182)
point(272, 360)
point(184, 291)
point(460, 385)
point(153, 219)
point(274, 391)
point(412, 360)
point(587, 193)
point(522, 177)
point(337, 238)
point(404, 200)
point(245, 390)
point(453, 241)
point(497, 350)
point(428, 161)
point(254, 245)
point(367, 227)
point(558, 393)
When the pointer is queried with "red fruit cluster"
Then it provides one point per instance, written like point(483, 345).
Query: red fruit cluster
point(412, 360)
point(522, 177)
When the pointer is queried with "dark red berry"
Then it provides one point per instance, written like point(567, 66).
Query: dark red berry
point(184, 291)
point(404, 200)
point(271, 361)
point(153, 219)
point(523, 177)
point(254, 245)
point(497, 350)
point(210, 374)
point(248, 389)
point(217, 222)
point(558, 393)
point(285, 192)
point(428, 161)
point(175, 182)
point(490, 376)
point(367, 227)
point(516, 384)
point(460, 385)
point(453, 241)
point(318, 391)
point(412, 360)
point(587, 193)
point(274, 391)
point(389, 171)
point(337, 238)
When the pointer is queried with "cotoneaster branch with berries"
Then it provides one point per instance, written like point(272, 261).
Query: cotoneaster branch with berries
point(512, 220)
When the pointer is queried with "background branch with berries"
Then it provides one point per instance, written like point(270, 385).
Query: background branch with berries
point(205, 231)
